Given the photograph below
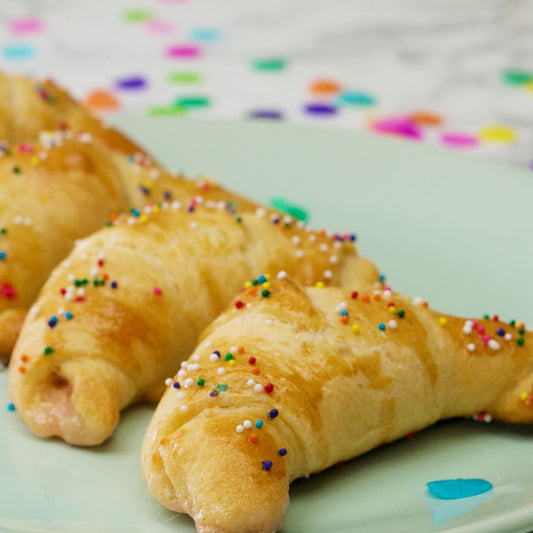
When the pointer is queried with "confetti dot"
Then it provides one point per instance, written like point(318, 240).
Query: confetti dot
point(185, 77)
point(284, 205)
point(19, 51)
point(427, 118)
point(498, 134)
point(135, 16)
point(132, 83)
point(101, 100)
point(206, 34)
point(403, 127)
point(26, 25)
point(458, 140)
point(184, 51)
point(320, 109)
point(189, 102)
point(159, 27)
point(356, 98)
point(517, 77)
point(272, 64)
point(267, 114)
point(325, 86)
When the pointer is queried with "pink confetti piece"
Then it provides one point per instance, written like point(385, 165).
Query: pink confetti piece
point(184, 51)
point(159, 27)
point(458, 140)
point(403, 127)
point(26, 25)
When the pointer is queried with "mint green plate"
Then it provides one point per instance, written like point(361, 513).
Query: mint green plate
point(452, 229)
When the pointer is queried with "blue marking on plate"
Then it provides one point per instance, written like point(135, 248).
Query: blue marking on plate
point(454, 489)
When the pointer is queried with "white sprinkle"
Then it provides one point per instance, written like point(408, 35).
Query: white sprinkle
point(471, 347)
point(154, 173)
point(175, 204)
point(508, 337)
point(333, 259)
point(81, 292)
point(247, 424)
point(337, 244)
point(222, 205)
point(27, 221)
point(233, 350)
point(469, 324)
point(65, 263)
point(328, 274)
point(131, 221)
point(377, 284)
point(221, 371)
point(60, 311)
point(43, 156)
point(342, 307)
point(494, 345)
point(487, 419)
point(94, 272)
point(299, 254)
point(194, 224)
point(392, 324)
point(184, 408)
point(18, 219)
point(324, 247)
point(194, 367)
point(69, 296)
point(182, 373)
point(71, 277)
point(282, 274)
point(195, 357)
point(467, 329)
point(207, 344)
point(168, 382)
point(248, 304)
point(100, 256)
point(260, 212)
point(189, 382)
point(287, 219)
point(296, 240)
point(184, 364)
point(418, 300)
point(258, 388)
point(239, 428)
point(199, 199)
point(180, 395)
point(312, 237)
point(387, 294)
point(213, 357)
point(250, 383)
point(269, 322)
point(34, 309)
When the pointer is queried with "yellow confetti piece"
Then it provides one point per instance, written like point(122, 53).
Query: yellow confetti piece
point(498, 134)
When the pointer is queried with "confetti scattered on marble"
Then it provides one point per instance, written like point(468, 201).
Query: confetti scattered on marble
point(185, 77)
point(166, 111)
point(427, 118)
point(159, 27)
point(269, 114)
point(517, 77)
point(196, 101)
point(135, 16)
point(324, 86)
point(296, 211)
point(453, 489)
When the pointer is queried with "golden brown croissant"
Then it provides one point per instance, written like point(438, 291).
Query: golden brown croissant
point(297, 380)
point(127, 306)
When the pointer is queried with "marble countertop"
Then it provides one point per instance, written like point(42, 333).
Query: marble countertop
point(456, 74)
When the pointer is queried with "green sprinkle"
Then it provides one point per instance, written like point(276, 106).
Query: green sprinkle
point(255, 282)
point(192, 101)
point(221, 387)
point(517, 77)
point(166, 111)
point(271, 64)
point(265, 293)
point(185, 77)
point(295, 211)
point(520, 341)
point(512, 323)
point(228, 357)
point(134, 16)
point(486, 317)
point(16, 170)
point(48, 350)
point(3, 231)
point(238, 219)
point(401, 313)
point(200, 382)
point(521, 331)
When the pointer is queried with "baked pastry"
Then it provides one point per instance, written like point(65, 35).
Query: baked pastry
point(297, 380)
point(128, 304)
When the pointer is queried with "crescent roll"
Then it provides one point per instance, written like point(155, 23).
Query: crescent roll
point(127, 306)
point(297, 380)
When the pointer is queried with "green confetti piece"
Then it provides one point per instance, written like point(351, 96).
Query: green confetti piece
point(193, 101)
point(135, 16)
point(517, 77)
point(185, 77)
point(272, 64)
point(295, 211)
point(166, 111)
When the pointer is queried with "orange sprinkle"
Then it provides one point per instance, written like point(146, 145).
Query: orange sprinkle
point(164, 442)
point(105, 276)
point(425, 304)
point(113, 217)
point(377, 297)
point(24, 358)
point(255, 370)
point(22, 369)
point(344, 319)
point(325, 87)
point(101, 100)
point(427, 118)
point(253, 438)
point(322, 232)
point(240, 349)
point(252, 292)
point(365, 298)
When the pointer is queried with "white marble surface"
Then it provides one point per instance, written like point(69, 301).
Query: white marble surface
point(446, 57)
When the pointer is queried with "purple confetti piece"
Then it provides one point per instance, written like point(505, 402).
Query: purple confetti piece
point(271, 114)
point(186, 51)
point(132, 83)
point(459, 140)
point(402, 127)
point(320, 110)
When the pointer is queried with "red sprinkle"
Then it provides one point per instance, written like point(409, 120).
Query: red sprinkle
point(269, 388)
point(79, 299)
point(496, 318)
point(354, 295)
point(100, 262)
point(252, 360)
point(63, 292)
point(239, 304)
point(7, 290)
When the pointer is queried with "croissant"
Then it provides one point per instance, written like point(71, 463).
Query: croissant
point(297, 380)
point(128, 304)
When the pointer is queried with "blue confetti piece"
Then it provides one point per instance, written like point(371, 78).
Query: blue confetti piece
point(18, 51)
point(454, 489)
point(206, 34)
point(356, 98)
point(320, 110)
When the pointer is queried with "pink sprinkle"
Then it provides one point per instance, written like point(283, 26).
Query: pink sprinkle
point(475, 324)
point(159, 27)
point(458, 140)
point(26, 148)
point(26, 25)
point(184, 51)
point(481, 330)
point(485, 338)
point(157, 290)
point(403, 127)
point(7, 290)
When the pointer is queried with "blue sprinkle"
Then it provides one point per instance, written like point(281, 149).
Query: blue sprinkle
point(259, 424)
point(500, 332)
point(11, 407)
point(344, 312)
point(353, 237)
point(52, 322)
point(381, 326)
point(267, 465)
point(69, 315)
point(453, 489)
point(261, 278)
point(18, 51)
point(356, 98)
point(176, 385)
point(143, 189)
point(273, 413)
point(217, 353)
point(206, 34)
point(282, 452)
point(135, 212)
point(114, 284)
point(167, 195)
point(3, 255)
point(382, 277)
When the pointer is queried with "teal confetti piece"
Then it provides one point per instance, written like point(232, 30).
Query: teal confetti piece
point(295, 211)
point(454, 489)
point(19, 51)
point(206, 34)
point(356, 98)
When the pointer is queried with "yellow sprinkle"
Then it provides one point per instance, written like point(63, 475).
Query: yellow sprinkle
point(266, 285)
point(443, 321)
point(523, 396)
point(498, 134)
point(155, 209)
point(34, 161)
point(267, 276)
point(356, 328)
point(143, 218)
point(392, 309)
point(231, 362)
point(248, 285)
point(319, 285)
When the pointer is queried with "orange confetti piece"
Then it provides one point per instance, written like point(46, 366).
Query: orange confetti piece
point(427, 118)
point(101, 100)
point(325, 87)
